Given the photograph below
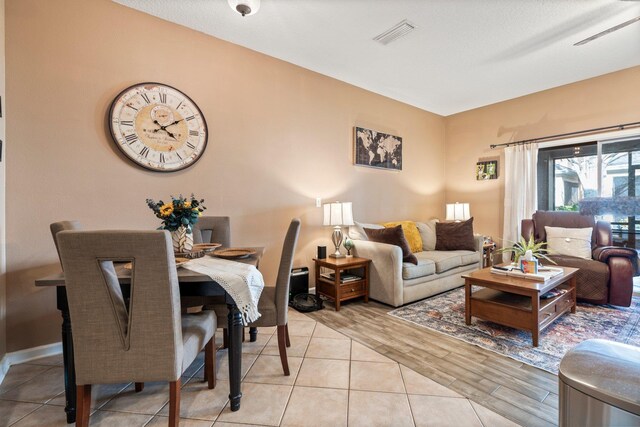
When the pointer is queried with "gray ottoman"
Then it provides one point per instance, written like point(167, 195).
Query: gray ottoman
point(600, 385)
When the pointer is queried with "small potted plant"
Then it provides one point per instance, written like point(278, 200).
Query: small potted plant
point(520, 248)
point(178, 216)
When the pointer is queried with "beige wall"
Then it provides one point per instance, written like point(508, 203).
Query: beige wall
point(280, 136)
point(601, 101)
point(3, 267)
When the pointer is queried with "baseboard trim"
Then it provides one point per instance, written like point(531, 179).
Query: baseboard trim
point(27, 355)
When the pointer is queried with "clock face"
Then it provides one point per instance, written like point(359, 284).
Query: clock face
point(158, 127)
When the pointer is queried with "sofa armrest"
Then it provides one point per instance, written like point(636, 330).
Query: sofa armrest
point(385, 271)
point(479, 239)
point(604, 253)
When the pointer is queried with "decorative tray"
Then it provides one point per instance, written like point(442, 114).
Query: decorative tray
point(179, 261)
point(234, 253)
point(190, 255)
point(206, 247)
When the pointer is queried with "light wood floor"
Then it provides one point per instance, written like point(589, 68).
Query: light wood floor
point(519, 392)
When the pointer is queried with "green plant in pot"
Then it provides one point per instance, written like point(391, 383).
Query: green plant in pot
point(520, 248)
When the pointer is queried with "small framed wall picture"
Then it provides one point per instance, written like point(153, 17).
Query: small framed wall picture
point(487, 170)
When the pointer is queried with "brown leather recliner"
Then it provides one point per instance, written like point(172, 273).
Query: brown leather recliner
point(607, 278)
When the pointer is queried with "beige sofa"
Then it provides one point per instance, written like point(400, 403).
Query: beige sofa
point(396, 283)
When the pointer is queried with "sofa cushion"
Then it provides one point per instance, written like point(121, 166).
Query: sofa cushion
point(392, 236)
point(451, 236)
point(411, 233)
point(468, 257)
point(356, 231)
point(569, 241)
point(444, 260)
point(428, 233)
point(425, 267)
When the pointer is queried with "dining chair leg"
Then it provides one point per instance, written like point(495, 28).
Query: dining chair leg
point(210, 362)
point(83, 405)
point(139, 387)
point(174, 403)
point(286, 328)
point(225, 338)
point(282, 348)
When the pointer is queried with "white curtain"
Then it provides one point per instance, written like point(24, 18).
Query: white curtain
point(521, 189)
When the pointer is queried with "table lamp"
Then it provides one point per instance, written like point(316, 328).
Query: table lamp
point(337, 214)
point(458, 212)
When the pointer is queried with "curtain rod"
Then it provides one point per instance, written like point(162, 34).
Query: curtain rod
point(560, 135)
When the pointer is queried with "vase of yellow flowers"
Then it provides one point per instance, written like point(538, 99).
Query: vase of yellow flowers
point(178, 217)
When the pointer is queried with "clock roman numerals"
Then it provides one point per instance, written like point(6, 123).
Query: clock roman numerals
point(126, 122)
point(131, 138)
point(163, 98)
point(144, 152)
point(194, 133)
point(146, 98)
point(190, 145)
point(162, 158)
point(190, 118)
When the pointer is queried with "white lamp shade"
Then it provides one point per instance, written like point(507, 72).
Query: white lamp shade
point(458, 212)
point(337, 213)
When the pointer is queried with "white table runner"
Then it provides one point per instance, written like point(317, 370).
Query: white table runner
point(242, 281)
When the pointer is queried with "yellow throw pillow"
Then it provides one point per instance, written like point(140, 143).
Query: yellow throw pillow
point(411, 233)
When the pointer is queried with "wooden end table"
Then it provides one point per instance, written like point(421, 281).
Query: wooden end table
point(335, 288)
point(515, 302)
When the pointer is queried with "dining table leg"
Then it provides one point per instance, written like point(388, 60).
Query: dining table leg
point(235, 329)
point(253, 334)
point(67, 356)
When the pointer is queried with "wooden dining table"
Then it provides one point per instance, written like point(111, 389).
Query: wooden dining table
point(192, 284)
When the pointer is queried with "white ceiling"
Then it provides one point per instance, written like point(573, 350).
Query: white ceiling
point(464, 53)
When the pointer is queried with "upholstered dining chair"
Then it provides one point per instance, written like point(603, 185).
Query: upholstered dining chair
point(146, 340)
point(274, 300)
point(57, 227)
point(213, 229)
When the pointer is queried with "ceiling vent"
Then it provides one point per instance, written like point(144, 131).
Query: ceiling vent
point(395, 32)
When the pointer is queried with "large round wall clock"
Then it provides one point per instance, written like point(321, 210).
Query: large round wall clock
point(158, 127)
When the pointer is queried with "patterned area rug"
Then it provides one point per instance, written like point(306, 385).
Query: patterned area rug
point(445, 313)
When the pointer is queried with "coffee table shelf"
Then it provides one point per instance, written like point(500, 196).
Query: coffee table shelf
point(516, 302)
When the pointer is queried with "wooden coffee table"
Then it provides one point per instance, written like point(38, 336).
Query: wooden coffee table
point(515, 302)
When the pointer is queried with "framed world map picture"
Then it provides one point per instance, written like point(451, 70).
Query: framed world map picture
point(377, 149)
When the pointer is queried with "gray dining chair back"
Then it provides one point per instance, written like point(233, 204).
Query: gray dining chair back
point(284, 271)
point(115, 342)
point(274, 300)
point(213, 229)
point(57, 227)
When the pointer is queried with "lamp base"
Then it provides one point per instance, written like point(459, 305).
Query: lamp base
point(336, 237)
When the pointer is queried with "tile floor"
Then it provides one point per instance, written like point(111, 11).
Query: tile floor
point(335, 381)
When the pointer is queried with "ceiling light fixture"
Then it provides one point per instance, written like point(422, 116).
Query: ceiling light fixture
point(607, 31)
point(394, 33)
point(245, 7)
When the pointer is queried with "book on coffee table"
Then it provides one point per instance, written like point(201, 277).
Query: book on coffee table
point(543, 274)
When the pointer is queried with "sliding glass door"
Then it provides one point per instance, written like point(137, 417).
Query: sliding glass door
point(569, 173)
point(621, 178)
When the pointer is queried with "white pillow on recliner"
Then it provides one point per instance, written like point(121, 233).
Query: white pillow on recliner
point(569, 241)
